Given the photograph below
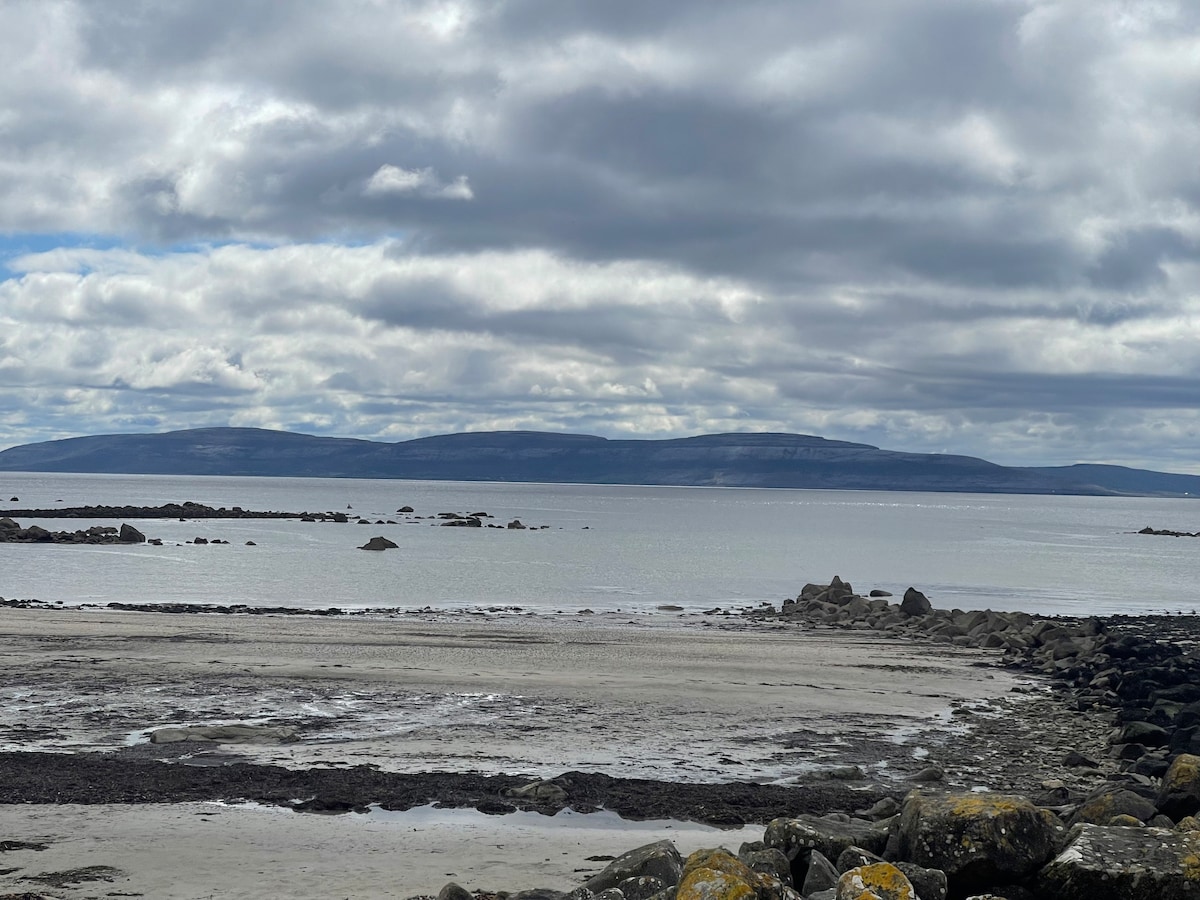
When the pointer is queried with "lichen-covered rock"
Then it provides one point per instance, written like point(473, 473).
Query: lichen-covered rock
point(799, 836)
point(1180, 792)
point(1129, 863)
point(1108, 803)
point(767, 860)
point(658, 860)
point(881, 881)
point(717, 875)
point(978, 840)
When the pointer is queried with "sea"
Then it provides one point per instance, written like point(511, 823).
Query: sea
point(604, 548)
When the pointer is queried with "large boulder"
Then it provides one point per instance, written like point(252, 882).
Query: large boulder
point(130, 535)
point(881, 881)
point(915, 603)
point(719, 875)
point(829, 835)
point(1126, 863)
point(978, 840)
point(658, 860)
point(1179, 795)
point(1105, 804)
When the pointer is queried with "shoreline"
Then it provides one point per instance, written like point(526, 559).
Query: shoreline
point(896, 701)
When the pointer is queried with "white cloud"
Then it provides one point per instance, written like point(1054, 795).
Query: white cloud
point(389, 179)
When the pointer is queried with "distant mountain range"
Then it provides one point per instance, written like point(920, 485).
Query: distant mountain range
point(731, 460)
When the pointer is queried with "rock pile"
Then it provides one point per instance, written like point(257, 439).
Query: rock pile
point(956, 846)
point(11, 532)
point(1134, 836)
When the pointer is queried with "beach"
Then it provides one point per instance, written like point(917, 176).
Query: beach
point(685, 700)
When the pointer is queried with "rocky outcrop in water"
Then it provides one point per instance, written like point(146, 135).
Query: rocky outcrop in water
point(12, 533)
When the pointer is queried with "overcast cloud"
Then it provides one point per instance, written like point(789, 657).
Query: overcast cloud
point(925, 224)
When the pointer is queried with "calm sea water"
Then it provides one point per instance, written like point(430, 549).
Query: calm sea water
point(609, 548)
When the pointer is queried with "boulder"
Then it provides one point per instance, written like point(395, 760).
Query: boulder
point(1105, 804)
point(516, 525)
point(717, 875)
point(453, 891)
point(379, 543)
point(539, 792)
point(929, 884)
point(224, 734)
point(1179, 795)
point(821, 876)
point(978, 840)
point(915, 603)
point(658, 860)
point(7, 524)
point(798, 837)
point(130, 535)
point(38, 533)
point(881, 881)
point(1129, 863)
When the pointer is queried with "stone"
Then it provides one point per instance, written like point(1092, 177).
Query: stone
point(798, 837)
point(658, 860)
point(821, 876)
point(1129, 863)
point(130, 535)
point(978, 840)
point(1102, 806)
point(516, 525)
point(224, 734)
point(379, 543)
point(915, 603)
point(769, 860)
point(454, 891)
point(881, 881)
point(928, 774)
point(1144, 733)
point(1179, 795)
point(929, 884)
point(853, 857)
point(539, 791)
point(640, 887)
point(717, 875)
point(1075, 759)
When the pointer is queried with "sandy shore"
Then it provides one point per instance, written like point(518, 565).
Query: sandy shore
point(661, 698)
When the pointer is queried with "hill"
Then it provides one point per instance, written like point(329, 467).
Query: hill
point(734, 460)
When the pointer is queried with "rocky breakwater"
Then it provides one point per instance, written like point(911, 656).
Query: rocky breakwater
point(1130, 834)
point(934, 847)
point(12, 533)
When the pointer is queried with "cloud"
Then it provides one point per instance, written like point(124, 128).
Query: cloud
point(389, 179)
point(920, 223)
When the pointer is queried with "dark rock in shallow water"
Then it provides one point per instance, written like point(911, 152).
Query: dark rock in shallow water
point(130, 535)
point(380, 543)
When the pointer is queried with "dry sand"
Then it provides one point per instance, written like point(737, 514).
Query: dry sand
point(656, 697)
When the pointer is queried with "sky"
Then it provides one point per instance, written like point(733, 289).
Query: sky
point(928, 225)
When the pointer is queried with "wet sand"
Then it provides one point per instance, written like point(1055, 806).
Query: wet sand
point(658, 697)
